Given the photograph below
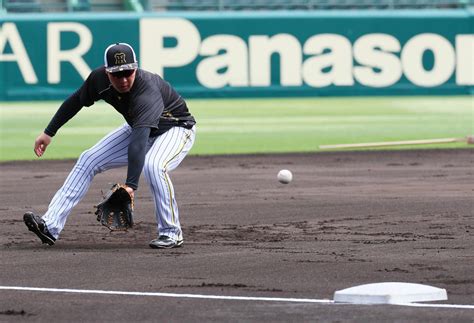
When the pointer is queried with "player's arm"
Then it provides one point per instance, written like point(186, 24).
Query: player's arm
point(84, 96)
point(147, 112)
point(66, 111)
point(136, 156)
point(70, 107)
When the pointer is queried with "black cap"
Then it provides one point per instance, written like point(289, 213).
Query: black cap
point(120, 57)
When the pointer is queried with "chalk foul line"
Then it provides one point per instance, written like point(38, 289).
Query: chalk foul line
point(109, 292)
point(221, 297)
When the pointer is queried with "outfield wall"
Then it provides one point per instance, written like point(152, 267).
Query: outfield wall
point(247, 54)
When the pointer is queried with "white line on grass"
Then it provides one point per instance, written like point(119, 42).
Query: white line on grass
point(221, 297)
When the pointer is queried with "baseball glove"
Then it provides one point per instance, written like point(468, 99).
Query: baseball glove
point(115, 211)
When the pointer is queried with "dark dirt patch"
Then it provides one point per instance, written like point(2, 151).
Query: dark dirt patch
point(347, 219)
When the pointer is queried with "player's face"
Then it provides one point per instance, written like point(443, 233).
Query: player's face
point(122, 81)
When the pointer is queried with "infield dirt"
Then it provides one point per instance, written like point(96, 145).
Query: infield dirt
point(346, 219)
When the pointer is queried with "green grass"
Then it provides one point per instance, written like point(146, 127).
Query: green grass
point(255, 125)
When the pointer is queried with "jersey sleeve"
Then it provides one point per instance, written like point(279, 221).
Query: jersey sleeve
point(84, 96)
point(68, 109)
point(136, 155)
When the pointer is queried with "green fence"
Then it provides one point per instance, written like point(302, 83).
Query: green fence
point(247, 54)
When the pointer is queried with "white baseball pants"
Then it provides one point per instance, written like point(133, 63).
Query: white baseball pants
point(164, 154)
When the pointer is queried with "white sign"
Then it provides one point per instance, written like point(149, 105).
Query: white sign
point(374, 60)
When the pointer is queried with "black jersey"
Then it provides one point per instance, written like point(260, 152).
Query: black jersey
point(151, 108)
point(151, 102)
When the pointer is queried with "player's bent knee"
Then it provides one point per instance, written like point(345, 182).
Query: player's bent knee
point(87, 162)
point(152, 170)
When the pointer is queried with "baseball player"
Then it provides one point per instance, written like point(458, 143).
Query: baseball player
point(158, 134)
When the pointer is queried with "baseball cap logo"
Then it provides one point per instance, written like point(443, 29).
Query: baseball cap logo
point(120, 58)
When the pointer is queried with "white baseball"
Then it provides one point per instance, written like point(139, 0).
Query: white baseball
point(284, 176)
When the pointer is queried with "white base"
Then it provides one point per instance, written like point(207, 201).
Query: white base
point(390, 293)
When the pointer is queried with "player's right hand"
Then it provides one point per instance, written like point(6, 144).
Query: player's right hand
point(41, 143)
point(130, 191)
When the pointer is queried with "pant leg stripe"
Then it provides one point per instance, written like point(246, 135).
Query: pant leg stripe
point(173, 216)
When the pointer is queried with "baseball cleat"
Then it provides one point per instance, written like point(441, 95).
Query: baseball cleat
point(37, 225)
point(165, 242)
